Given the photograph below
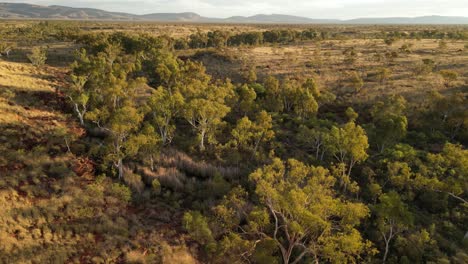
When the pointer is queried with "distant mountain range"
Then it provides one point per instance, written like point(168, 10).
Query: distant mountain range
point(29, 11)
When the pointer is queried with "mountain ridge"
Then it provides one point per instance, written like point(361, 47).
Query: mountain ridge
point(33, 11)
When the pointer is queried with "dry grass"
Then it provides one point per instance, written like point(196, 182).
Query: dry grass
point(25, 78)
point(329, 67)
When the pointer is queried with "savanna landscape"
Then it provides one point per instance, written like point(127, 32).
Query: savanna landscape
point(179, 142)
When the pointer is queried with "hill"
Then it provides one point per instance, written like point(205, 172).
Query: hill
point(29, 11)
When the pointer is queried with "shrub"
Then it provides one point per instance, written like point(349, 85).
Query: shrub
point(197, 226)
point(156, 186)
point(134, 181)
point(449, 76)
point(135, 256)
point(121, 192)
point(38, 56)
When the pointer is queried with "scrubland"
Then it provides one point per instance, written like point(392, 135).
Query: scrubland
point(206, 143)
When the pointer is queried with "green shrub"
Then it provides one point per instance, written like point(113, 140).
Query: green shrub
point(121, 192)
point(197, 226)
point(38, 56)
point(156, 186)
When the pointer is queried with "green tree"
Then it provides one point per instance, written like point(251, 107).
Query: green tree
point(197, 226)
point(249, 135)
point(447, 113)
point(273, 101)
point(314, 140)
point(121, 127)
point(298, 211)
point(246, 98)
point(393, 217)
point(446, 172)
point(79, 96)
point(389, 123)
point(207, 108)
point(298, 98)
point(164, 108)
point(348, 144)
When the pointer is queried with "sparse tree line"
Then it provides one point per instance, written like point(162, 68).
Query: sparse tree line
point(220, 39)
point(333, 186)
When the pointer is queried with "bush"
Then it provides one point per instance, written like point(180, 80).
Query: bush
point(121, 192)
point(156, 186)
point(197, 226)
point(38, 56)
point(134, 181)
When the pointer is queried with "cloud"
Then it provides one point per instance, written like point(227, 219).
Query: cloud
point(308, 8)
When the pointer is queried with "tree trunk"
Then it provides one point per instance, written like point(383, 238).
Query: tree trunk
point(152, 162)
point(68, 145)
point(286, 256)
point(387, 244)
point(80, 114)
point(120, 167)
point(202, 140)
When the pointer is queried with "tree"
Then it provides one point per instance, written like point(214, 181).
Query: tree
point(79, 96)
point(110, 91)
point(313, 139)
point(348, 144)
point(311, 86)
point(393, 217)
point(218, 39)
point(164, 107)
point(147, 144)
point(299, 213)
point(37, 56)
point(351, 114)
point(389, 123)
point(198, 40)
point(249, 135)
point(207, 108)
point(197, 226)
point(273, 101)
point(246, 98)
point(121, 126)
point(447, 113)
point(298, 98)
point(446, 172)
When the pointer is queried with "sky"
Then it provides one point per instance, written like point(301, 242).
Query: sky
point(336, 9)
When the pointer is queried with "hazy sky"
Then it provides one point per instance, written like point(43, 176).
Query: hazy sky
point(309, 8)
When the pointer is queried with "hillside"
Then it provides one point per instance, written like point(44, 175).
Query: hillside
point(54, 209)
point(28, 11)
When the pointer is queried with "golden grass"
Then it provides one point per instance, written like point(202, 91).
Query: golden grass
point(330, 69)
point(23, 77)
